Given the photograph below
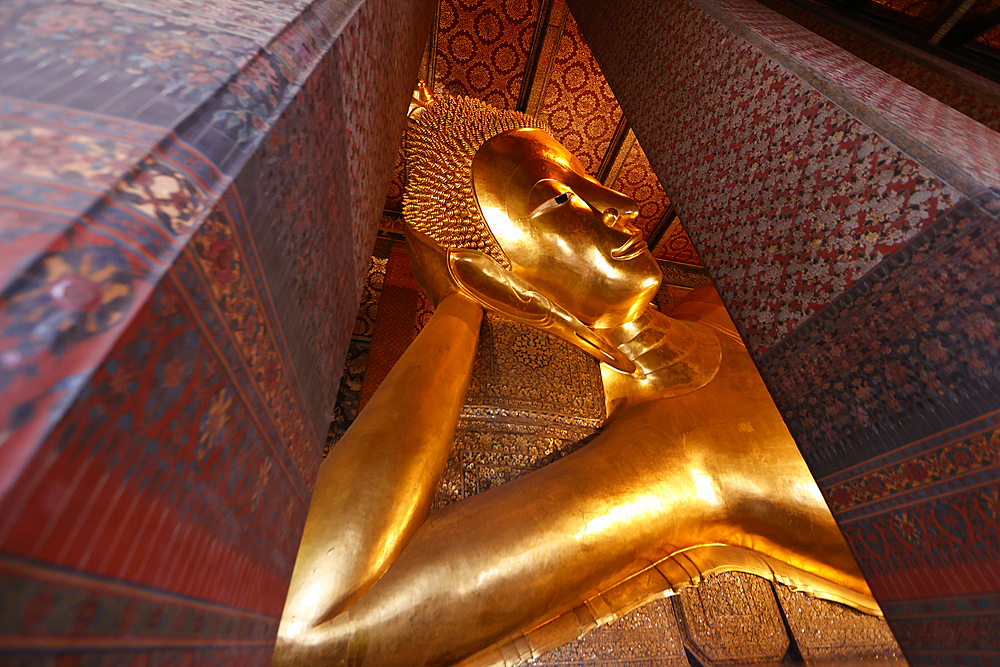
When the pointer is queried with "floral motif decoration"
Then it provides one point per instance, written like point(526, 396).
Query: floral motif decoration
point(947, 533)
point(220, 256)
point(165, 194)
point(916, 336)
point(62, 155)
point(933, 467)
point(579, 105)
point(969, 636)
point(203, 459)
point(482, 46)
point(954, 93)
point(676, 246)
point(91, 608)
point(117, 49)
point(638, 181)
point(65, 297)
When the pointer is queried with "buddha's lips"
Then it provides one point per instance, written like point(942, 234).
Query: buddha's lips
point(634, 247)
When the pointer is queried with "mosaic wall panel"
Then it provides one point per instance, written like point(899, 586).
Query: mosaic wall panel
point(42, 607)
point(678, 280)
point(854, 239)
point(970, 100)
point(127, 61)
point(925, 317)
point(957, 147)
point(211, 449)
point(564, 384)
point(169, 340)
point(825, 631)
point(482, 48)
point(731, 619)
point(966, 624)
point(646, 637)
point(532, 400)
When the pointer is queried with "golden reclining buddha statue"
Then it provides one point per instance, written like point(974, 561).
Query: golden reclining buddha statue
point(693, 472)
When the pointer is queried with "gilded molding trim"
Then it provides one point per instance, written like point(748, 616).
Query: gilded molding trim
point(683, 569)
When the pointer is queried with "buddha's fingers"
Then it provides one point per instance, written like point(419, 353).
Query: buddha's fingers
point(376, 487)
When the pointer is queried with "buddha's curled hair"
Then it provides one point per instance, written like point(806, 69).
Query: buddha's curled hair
point(441, 143)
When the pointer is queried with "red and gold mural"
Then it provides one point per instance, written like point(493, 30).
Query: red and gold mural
point(182, 261)
point(850, 222)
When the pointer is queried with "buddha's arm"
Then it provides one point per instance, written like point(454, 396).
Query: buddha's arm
point(715, 466)
point(375, 488)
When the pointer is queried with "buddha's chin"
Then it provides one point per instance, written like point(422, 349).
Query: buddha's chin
point(625, 310)
point(633, 297)
point(617, 318)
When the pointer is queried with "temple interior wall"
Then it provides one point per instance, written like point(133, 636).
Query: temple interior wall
point(849, 223)
point(190, 195)
point(189, 198)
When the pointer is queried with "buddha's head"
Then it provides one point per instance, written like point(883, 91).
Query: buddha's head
point(498, 182)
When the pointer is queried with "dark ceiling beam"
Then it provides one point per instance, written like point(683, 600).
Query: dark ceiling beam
point(950, 18)
point(972, 32)
point(606, 172)
point(534, 54)
point(427, 63)
point(661, 227)
point(545, 40)
point(895, 36)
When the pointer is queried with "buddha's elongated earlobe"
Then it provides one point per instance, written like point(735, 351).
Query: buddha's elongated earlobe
point(479, 277)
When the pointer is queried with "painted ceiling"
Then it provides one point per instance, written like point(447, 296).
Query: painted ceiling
point(529, 55)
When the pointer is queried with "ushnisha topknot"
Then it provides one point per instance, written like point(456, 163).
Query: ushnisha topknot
point(441, 143)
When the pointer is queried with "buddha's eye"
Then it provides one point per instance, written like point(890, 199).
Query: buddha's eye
point(558, 200)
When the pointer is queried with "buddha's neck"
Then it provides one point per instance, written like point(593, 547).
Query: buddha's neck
point(673, 357)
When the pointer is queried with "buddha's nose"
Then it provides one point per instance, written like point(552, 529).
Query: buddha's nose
point(612, 218)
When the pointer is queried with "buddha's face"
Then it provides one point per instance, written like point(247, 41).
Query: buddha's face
point(569, 236)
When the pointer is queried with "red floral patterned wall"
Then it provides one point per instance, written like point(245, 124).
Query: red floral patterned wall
point(188, 197)
point(851, 223)
point(958, 95)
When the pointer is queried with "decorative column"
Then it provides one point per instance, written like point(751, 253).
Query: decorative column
point(850, 223)
point(189, 193)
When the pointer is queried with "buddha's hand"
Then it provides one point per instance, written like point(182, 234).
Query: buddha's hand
point(478, 276)
point(430, 266)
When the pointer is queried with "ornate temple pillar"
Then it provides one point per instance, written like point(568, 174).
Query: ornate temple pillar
point(189, 194)
point(850, 224)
